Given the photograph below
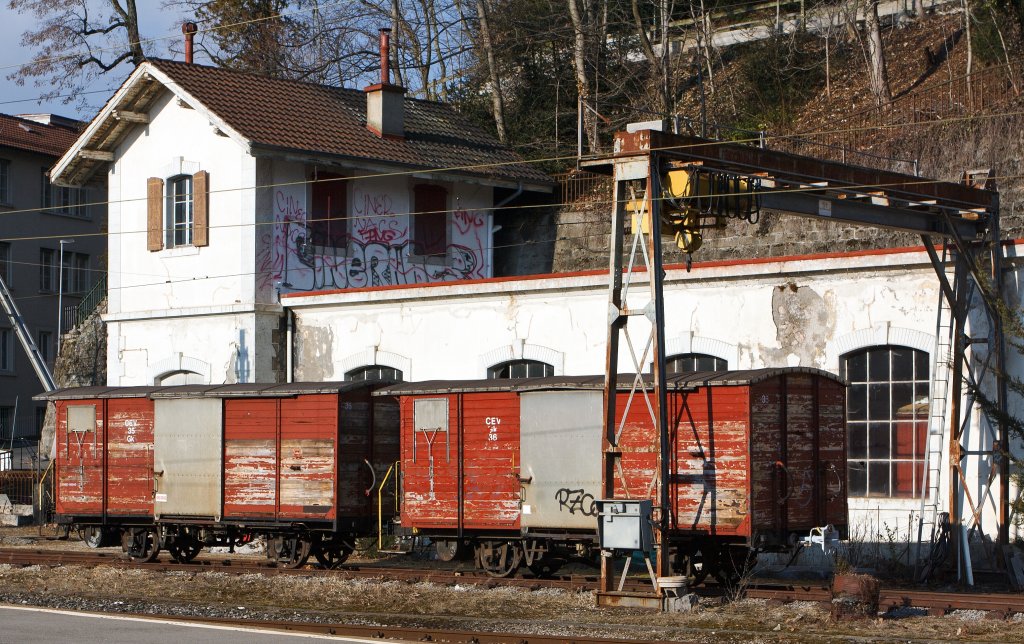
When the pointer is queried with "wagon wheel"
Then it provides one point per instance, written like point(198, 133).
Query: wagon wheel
point(93, 536)
point(546, 566)
point(447, 549)
point(331, 554)
point(695, 563)
point(184, 549)
point(499, 559)
point(289, 551)
point(141, 544)
point(735, 563)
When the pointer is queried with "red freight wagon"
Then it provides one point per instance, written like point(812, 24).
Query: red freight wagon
point(512, 468)
point(192, 466)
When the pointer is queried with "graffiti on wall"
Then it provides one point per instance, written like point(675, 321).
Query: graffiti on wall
point(375, 249)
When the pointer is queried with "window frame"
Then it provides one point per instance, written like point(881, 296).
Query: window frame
point(496, 371)
point(374, 372)
point(44, 342)
point(330, 229)
point(72, 201)
point(48, 278)
point(7, 418)
point(671, 362)
point(429, 215)
point(6, 350)
point(887, 416)
point(6, 263)
point(5, 182)
point(179, 206)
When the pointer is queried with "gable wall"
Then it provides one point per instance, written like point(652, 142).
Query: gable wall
point(185, 277)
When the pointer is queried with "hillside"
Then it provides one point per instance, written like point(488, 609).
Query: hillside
point(936, 121)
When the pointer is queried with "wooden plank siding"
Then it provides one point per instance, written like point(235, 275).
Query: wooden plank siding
point(80, 485)
point(129, 476)
point(250, 458)
point(488, 429)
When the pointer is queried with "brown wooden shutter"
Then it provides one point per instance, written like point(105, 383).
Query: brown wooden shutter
point(155, 213)
point(201, 208)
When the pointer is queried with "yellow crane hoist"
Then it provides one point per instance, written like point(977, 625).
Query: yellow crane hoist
point(694, 199)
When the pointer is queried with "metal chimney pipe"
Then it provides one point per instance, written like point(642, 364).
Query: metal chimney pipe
point(385, 56)
point(189, 29)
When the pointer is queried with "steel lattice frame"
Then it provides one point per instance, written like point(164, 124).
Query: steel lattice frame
point(964, 216)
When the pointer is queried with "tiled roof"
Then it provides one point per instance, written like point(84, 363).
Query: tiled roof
point(23, 134)
point(301, 116)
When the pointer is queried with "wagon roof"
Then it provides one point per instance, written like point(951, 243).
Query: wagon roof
point(675, 382)
point(251, 390)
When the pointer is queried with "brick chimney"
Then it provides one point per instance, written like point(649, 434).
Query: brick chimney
point(385, 103)
point(189, 29)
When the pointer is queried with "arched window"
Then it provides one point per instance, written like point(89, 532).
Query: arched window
point(691, 362)
point(887, 420)
point(182, 377)
point(521, 369)
point(374, 372)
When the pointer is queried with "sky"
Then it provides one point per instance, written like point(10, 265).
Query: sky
point(154, 22)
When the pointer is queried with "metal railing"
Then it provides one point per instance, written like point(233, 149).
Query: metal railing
point(75, 314)
point(18, 486)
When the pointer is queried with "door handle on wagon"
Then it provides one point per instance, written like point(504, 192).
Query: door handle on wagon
point(781, 467)
point(373, 482)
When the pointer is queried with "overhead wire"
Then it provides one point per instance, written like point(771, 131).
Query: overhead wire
point(550, 159)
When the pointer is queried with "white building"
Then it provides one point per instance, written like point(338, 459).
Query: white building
point(231, 260)
point(226, 188)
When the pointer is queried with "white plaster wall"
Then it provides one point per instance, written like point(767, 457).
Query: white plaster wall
point(220, 273)
point(756, 314)
point(221, 348)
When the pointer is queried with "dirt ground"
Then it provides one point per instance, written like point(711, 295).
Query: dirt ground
point(500, 609)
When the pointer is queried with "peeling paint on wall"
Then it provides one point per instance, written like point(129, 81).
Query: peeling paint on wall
point(315, 349)
point(804, 321)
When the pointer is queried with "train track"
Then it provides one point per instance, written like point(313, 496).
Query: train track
point(1001, 605)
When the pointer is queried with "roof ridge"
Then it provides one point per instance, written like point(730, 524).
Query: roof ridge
point(255, 75)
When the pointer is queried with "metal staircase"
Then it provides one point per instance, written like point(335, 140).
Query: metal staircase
point(18, 324)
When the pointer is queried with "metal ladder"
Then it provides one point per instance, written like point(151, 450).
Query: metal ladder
point(18, 323)
point(930, 524)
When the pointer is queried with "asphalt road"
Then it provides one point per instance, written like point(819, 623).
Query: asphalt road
point(25, 625)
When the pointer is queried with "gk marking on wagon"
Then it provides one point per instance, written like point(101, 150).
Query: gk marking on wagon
point(576, 501)
point(131, 426)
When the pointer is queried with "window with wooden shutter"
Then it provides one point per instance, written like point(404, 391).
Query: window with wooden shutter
point(201, 208)
point(430, 220)
point(155, 214)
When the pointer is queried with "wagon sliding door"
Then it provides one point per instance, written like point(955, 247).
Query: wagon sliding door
point(187, 457)
point(561, 458)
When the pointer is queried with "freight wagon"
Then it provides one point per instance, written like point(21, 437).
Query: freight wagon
point(510, 470)
point(181, 468)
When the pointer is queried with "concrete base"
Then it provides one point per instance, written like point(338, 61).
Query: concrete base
point(15, 520)
point(650, 601)
point(683, 604)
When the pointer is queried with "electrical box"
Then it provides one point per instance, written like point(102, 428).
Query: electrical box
point(625, 525)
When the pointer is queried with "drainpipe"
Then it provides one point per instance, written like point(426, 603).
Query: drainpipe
point(494, 211)
point(289, 351)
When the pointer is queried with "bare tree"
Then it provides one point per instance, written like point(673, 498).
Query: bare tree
point(876, 55)
point(582, 12)
point(76, 41)
point(486, 44)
